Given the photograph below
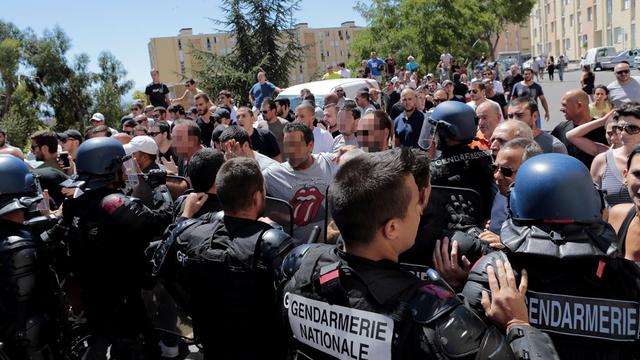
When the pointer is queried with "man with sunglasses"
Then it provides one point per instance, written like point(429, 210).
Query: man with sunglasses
point(625, 88)
point(580, 292)
point(275, 123)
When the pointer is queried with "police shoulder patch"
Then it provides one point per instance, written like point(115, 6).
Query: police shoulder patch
point(112, 203)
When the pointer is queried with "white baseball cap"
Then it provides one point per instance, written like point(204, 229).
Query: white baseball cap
point(98, 116)
point(143, 144)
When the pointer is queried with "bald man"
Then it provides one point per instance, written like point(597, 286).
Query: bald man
point(575, 106)
point(407, 126)
point(322, 139)
point(509, 130)
point(489, 116)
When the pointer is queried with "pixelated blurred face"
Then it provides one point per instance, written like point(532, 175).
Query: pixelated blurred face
point(346, 122)
point(181, 140)
point(3, 140)
point(632, 178)
point(371, 136)
point(295, 149)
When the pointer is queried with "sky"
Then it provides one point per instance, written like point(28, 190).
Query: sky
point(125, 27)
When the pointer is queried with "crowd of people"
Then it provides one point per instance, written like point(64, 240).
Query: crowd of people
point(428, 218)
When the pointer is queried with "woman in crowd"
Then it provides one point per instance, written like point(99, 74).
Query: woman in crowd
point(607, 168)
point(624, 217)
point(551, 67)
point(601, 106)
point(587, 80)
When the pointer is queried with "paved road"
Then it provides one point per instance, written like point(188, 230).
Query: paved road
point(554, 90)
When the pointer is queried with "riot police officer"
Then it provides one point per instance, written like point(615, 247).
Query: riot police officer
point(224, 267)
point(584, 297)
point(30, 301)
point(357, 302)
point(459, 165)
point(108, 233)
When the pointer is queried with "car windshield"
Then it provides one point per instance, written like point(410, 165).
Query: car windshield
point(623, 53)
point(295, 100)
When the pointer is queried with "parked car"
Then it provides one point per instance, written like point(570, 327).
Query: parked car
point(637, 62)
point(594, 57)
point(322, 88)
point(628, 56)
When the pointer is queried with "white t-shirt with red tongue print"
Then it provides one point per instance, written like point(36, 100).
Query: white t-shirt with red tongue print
point(305, 190)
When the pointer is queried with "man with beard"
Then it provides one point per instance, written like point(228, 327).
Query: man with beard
point(205, 119)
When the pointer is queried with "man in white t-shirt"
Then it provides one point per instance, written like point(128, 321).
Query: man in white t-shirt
point(302, 180)
point(445, 60)
point(323, 141)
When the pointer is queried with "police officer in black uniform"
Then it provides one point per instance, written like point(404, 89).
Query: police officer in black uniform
point(108, 233)
point(225, 267)
point(584, 297)
point(459, 165)
point(30, 296)
point(357, 302)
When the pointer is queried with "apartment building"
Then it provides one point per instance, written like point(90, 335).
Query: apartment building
point(322, 46)
point(571, 27)
point(516, 37)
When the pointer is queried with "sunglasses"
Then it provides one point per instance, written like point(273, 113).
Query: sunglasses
point(507, 172)
point(621, 72)
point(628, 128)
point(438, 101)
point(473, 91)
point(153, 133)
point(265, 111)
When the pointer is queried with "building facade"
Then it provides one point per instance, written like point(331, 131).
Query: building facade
point(571, 27)
point(322, 46)
point(516, 37)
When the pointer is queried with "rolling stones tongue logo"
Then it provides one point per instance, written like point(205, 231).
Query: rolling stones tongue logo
point(306, 203)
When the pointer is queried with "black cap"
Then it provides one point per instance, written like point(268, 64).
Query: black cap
point(215, 134)
point(221, 113)
point(125, 118)
point(193, 110)
point(73, 134)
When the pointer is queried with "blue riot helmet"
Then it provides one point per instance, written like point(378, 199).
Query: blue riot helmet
point(97, 162)
point(17, 181)
point(554, 188)
point(455, 120)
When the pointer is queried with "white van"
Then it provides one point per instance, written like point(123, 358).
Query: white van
point(594, 56)
point(322, 88)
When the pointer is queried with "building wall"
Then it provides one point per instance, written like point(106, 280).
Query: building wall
point(571, 27)
point(516, 37)
point(322, 46)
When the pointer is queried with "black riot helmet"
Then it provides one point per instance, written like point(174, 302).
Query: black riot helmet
point(98, 160)
point(455, 120)
point(17, 181)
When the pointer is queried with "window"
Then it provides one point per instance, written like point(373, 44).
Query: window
point(179, 44)
point(625, 4)
point(567, 44)
point(585, 43)
point(553, 26)
point(208, 44)
point(618, 34)
point(589, 14)
point(579, 17)
point(215, 39)
point(535, 32)
point(571, 20)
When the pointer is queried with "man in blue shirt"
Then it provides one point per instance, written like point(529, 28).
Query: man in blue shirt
point(260, 90)
point(377, 66)
point(407, 126)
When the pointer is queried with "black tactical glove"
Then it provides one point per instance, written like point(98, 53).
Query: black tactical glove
point(155, 178)
point(460, 213)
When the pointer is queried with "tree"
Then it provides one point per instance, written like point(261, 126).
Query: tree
point(265, 39)
point(110, 89)
point(425, 28)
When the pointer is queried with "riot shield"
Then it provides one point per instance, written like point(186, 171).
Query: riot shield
point(435, 220)
point(281, 212)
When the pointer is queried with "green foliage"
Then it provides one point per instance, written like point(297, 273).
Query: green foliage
point(110, 89)
point(139, 96)
point(21, 119)
point(425, 28)
point(265, 39)
point(37, 80)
